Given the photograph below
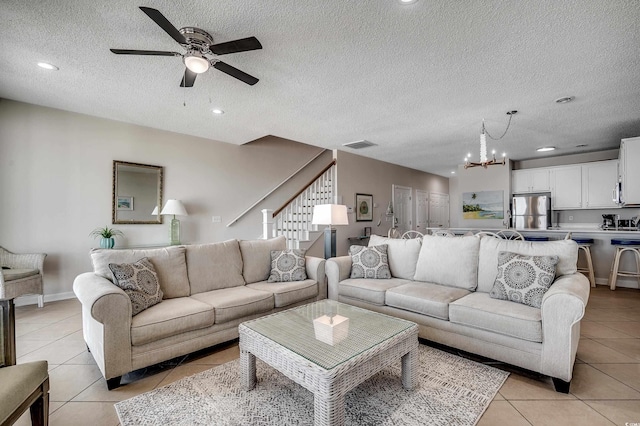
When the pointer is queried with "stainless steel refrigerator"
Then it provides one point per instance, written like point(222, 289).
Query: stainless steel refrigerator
point(531, 211)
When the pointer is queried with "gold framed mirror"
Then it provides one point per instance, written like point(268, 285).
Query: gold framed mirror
point(136, 193)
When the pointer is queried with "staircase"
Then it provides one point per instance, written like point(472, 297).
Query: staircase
point(293, 219)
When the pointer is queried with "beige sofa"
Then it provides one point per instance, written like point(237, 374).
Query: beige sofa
point(207, 290)
point(443, 285)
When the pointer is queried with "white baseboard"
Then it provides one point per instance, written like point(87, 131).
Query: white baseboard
point(33, 299)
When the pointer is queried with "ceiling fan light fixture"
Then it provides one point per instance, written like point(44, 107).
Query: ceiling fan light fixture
point(196, 63)
point(48, 66)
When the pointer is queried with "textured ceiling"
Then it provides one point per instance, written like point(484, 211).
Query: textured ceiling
point(416, 79)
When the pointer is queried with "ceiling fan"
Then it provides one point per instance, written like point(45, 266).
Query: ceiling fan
point(198, 44)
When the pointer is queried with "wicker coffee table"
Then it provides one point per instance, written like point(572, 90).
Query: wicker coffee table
point(348, 352)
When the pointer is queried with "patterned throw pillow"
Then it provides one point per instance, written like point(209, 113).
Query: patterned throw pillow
point(370, 262)
point(287, 265)
point(140, 281)
point(523, 279)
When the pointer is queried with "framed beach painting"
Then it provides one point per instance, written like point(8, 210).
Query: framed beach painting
point(483, 205)
point(364, 207)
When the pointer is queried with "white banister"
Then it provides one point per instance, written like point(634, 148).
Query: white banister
point(267, 223)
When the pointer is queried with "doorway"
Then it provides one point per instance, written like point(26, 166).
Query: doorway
point(438, 210)
point(422, 210)
point(402, 217)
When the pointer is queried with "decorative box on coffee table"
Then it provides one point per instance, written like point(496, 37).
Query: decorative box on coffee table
point(357, 349)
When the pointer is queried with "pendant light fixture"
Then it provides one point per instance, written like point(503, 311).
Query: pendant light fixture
point(484, 161)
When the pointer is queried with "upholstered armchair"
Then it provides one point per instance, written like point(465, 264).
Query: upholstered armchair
point(21, 275)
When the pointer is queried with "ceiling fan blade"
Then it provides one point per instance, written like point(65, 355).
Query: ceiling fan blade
point(164, 23)
point(188, 79)
point(235, 72)
point(144, 52)
point(241, 45)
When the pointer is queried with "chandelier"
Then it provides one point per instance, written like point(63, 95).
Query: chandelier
point(484, 161)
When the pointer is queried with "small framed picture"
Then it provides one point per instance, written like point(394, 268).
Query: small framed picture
point(364, 207)
point(367, 231)
point(124, 202)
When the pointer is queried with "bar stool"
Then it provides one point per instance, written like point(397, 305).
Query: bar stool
point(623, 245)
point(584, 244)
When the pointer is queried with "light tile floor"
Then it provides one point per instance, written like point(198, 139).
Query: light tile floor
point(605, 389)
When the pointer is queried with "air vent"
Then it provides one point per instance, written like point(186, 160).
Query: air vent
point(359, 144)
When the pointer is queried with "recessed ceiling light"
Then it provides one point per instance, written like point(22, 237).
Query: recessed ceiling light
point(546, 148)
point(48, 66)
point(407, 1)
point(453, 172)
point(564, 99)
point(217, 111)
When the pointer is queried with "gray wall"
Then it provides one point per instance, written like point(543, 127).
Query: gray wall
point(357, 174)
point(56, 182)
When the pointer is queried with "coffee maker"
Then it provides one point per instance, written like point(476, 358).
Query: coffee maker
point(608, 221)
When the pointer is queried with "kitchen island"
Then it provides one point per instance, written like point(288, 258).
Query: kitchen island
point(602, 251)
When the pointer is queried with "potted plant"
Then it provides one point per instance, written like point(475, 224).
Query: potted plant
point(107, 236)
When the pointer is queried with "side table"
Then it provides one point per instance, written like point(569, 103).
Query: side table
point(7, 333)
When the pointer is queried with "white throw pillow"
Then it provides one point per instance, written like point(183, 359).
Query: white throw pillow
point(523, 279)
point(403, 254)
point(450, 261)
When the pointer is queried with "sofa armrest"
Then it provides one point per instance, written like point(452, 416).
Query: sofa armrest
point(106, 322)
point(337, 269)
point(563, 306)
point(315, 271)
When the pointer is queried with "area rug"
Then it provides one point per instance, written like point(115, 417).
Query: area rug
point(451, 391)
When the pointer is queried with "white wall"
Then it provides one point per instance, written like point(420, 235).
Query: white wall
point(476, 179)
point(357, 174)
point(56, 184)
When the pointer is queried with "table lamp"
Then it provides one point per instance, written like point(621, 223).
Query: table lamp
point(174, 207)
point(330, 214)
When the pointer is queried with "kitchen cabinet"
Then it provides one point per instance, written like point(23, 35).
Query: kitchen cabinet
point(630, 171)
point(598, 181)
point(530, 180)
point(566, 187)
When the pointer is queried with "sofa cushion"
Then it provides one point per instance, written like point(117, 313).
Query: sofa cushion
point(169, 262)
point(449, 261)
point(287, 265)
point(169, 318)
point(17, 274)
point(479, 310)
point(566, 250)
point(424, 298)
point(369, 262)
point(523, 279)
point(288, 293)
point(236, 302)
point(256, 257)
point(368, 290)
point(214, 266)
point(403, 254)
point(139, 281)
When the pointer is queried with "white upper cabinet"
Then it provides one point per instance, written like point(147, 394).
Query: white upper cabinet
point(566, 187)
point(530, 180)
point(598, 181)
point(630, 170)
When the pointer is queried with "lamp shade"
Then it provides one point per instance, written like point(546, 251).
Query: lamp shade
point(155, 211)
point(174, 207)
point(330, 214)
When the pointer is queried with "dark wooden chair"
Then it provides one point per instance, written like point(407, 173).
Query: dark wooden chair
point(24, 386)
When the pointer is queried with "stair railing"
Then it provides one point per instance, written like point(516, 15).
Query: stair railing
point(293, 218)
